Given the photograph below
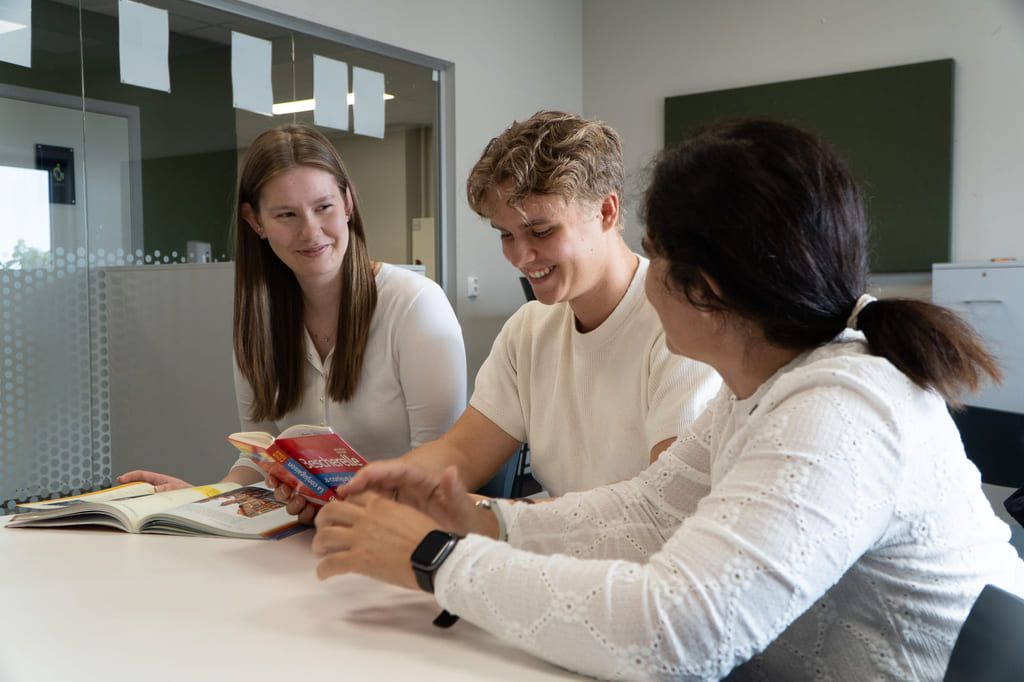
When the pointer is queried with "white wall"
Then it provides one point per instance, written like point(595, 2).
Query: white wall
point(511, 59)
point(636, 53)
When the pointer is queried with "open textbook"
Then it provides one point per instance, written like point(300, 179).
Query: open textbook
point(312, 460)
point(222, 510)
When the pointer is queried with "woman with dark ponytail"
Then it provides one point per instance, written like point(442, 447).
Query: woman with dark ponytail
point(786, 244)
point(820, 520)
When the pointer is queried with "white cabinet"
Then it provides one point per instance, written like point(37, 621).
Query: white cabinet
point(991, 297)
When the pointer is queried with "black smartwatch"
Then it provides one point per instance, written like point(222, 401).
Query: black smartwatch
point(430, 554)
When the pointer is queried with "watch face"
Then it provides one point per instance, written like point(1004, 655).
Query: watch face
point(432, 549)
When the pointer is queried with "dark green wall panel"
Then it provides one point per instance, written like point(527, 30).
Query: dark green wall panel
point(894, 126)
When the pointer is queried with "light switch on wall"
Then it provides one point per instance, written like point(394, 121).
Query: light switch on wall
point(472, 286)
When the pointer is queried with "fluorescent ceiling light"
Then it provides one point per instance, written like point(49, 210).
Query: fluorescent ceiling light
point(10, 26)
point(294, 107)
point(310, 105)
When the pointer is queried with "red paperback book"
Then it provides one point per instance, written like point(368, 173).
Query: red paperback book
point(312, 460)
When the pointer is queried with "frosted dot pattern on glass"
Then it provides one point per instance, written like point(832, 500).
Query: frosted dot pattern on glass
point(55, 427)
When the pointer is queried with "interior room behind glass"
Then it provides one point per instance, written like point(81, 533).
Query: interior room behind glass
point(115, 316)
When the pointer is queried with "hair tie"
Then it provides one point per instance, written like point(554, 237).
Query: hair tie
point(863, 302)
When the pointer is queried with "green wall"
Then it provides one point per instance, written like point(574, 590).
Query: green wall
point(894, 127)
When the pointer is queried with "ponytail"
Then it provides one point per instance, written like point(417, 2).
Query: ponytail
point(931, 344)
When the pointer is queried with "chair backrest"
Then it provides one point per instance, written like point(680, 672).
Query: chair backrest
point(506, 482)
point(990, 647)
point(527, 289)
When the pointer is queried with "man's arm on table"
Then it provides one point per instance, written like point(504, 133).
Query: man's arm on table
point(475, 445)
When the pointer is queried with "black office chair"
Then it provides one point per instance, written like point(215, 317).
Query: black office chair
point(989, 647)
point(507, 482)
point(527, 289)
point(1014, 505)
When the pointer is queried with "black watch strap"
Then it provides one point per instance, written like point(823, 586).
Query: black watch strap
point(425, 579)
point(445, 619)
point(428, 556)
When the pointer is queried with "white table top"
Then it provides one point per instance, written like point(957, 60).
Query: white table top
point(90, 604)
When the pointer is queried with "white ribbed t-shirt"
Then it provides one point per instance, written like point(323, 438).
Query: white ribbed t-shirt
point(591, 406)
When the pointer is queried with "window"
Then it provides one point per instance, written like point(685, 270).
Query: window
point(120, 233)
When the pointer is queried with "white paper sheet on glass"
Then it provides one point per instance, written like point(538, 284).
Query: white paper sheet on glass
point(16, 32)
point(250, 74)
point(368, 107)
point(330, 91)
point(142, 40)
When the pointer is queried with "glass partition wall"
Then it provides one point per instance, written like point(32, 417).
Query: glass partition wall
point(115, 233)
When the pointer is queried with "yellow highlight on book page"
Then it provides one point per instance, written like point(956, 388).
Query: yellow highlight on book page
point(209, 490)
